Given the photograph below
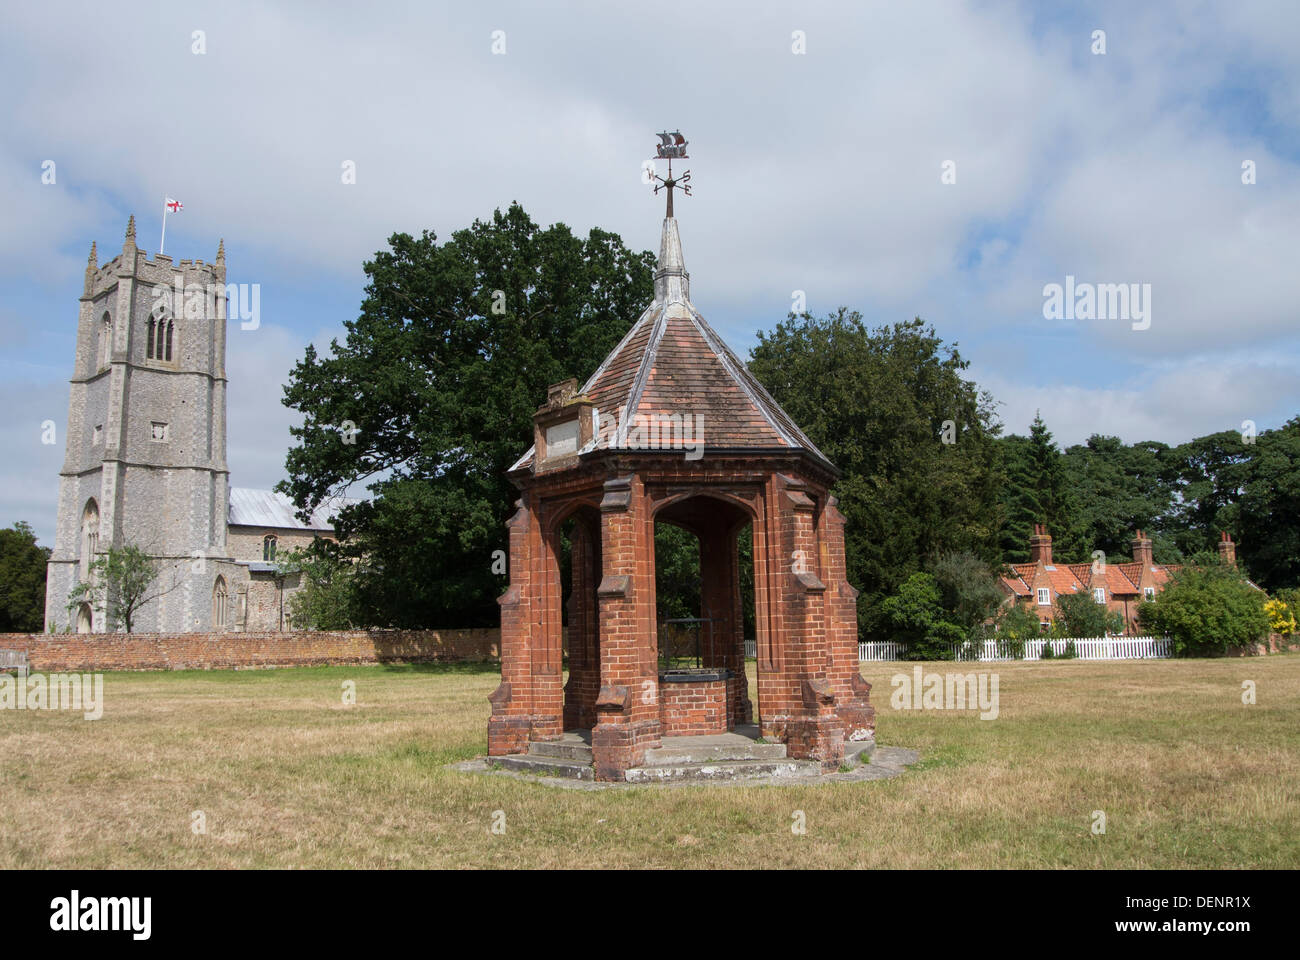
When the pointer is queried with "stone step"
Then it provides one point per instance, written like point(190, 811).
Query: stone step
point(724, 770)
point(677, 754)
point(561, 749)
point(544, 766)
point(858, 751)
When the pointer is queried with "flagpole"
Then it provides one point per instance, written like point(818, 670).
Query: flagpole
point(163, 239)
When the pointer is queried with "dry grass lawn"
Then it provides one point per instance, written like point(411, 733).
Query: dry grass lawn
point(287, 776)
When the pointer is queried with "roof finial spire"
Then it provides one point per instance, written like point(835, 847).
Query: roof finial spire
point(672, 146)
point(130, 228)
point(93, 259)
point(221, 250)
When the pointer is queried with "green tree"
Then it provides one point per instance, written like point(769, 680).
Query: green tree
point(881, 404)
point(1082, 616)
point(22, 580)
point(1207, 608)
point(430, 400)
point(677, 572)
point(915, 617)
point(1036, 491)
point(1266, 515)
point(1210, 474)
point(1118, 489)
point(122, 580)
point(968, 590)
point(326, 599)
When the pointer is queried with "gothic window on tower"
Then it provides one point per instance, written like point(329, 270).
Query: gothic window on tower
point(158, 431)
point(160, 331)
point(268, 548)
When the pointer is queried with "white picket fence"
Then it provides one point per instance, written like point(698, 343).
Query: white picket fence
point(1085, 648)
point(881, 650)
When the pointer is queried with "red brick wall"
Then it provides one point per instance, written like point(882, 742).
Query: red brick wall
point(694, 709)
point(210, 651)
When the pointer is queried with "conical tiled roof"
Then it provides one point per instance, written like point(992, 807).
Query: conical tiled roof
point(672, 362)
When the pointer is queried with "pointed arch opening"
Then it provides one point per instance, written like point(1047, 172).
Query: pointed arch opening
point(220, 605)
point(704, 595)
point(89, 538)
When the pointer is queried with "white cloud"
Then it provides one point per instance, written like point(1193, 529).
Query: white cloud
point(818, 172)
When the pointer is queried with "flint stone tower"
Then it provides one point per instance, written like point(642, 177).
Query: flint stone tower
point(146, 438)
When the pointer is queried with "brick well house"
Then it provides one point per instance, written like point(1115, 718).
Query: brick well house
point(672, 427)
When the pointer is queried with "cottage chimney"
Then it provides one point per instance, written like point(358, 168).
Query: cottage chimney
point(1040, 545)
point(1227, 549)
point(1142, 549)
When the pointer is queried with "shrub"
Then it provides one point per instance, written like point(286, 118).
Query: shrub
point(1281, 616)
point(1082, 616)
point(916, 618)
point(1207, 608)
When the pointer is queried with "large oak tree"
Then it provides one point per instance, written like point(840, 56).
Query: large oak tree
point(429, 400)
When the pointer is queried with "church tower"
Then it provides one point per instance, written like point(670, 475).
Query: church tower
point(146, 438)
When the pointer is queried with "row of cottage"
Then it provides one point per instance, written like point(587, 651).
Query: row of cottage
point(1039, 584)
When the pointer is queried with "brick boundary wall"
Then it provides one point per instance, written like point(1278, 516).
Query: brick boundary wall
point(91, 652)
point(1276, 644)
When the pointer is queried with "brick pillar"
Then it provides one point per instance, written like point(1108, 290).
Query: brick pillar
point(852, 692)
point(512, 701)
point(627, 707)
point(814, 731)
point(584, 616)
point(547, 646)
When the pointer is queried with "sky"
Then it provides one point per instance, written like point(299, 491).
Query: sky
point(945, 160)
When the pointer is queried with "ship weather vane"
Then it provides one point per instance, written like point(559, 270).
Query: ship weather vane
point(672, 146)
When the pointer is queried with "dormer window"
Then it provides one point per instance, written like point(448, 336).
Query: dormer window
point(562, 427)
point(1044, 596)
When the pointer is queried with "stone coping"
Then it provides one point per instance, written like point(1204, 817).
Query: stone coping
point(695, 676)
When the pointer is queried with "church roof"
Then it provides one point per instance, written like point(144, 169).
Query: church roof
point(673, 363)
point(269, 508)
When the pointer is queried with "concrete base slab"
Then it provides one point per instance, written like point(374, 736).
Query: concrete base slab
point(724, 770)
point(877, 763)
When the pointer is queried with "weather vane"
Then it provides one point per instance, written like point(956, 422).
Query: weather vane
point(672, 146)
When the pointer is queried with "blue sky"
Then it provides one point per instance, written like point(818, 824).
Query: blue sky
point(816, 171)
